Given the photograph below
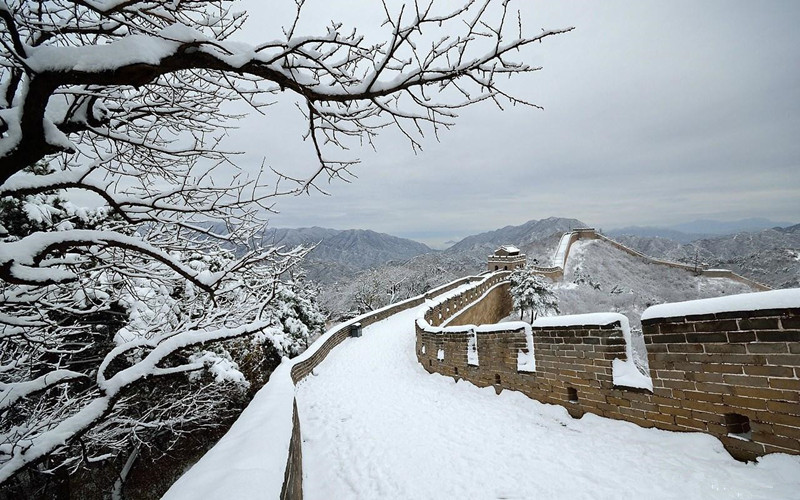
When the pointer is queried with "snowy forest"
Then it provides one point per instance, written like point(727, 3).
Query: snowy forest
point(151, 315)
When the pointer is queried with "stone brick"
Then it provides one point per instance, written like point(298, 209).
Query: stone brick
point(740, 402)
point(791, 323)
point(759, 324)
point(782, 360)
point(695, 348)
point(673, 338)
point(791, 408)
point(668, 328)
point(707, 337)
point(741, 336)
point(701, 396)
point(716, 326)
point(772, 371)
point(690, 423)
point(779, 418)
point(672, 410)
point(792, 384)
point(760, 392)
point(778, 336)
point(780, 441)
point(746, 380)
point(716, 388)
point(726, 348)
point(767, 347)
point(722, 368)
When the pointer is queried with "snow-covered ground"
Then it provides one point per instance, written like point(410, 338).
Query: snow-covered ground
point(376, 425)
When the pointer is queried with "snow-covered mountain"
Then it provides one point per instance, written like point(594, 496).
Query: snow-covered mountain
point(357, 248)
point(698, 229)
point(771, 256)
point(530, 232)
point(341, 254)
point(601, 278)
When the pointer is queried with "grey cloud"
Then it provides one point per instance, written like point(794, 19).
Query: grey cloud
point(654, 113)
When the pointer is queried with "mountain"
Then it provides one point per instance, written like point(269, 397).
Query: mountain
point(530, 232)
point(656, 232)
point(600, 277)
point(342, 253)
point(728, 227)
point(698, 229)
point(771, 256)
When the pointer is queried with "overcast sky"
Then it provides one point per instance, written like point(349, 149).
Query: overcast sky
point(655, 113)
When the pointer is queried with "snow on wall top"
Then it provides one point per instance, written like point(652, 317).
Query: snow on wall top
point(773, 299)
point(598, 319)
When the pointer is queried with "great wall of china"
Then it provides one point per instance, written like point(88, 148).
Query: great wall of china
point(559, 261)
point(732, 371)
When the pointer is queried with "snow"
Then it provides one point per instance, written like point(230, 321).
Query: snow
point(773, 299)
point(472, 350)
point(250, 459)
point(625, 373)
point(375, 424)
point(593, 319)
point(560, 257)
point(526, 361)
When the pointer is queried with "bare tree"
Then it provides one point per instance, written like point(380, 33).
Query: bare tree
point(124, 100)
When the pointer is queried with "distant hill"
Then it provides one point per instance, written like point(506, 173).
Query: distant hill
point(656, 232)
point(698, 229)
point(708, 226)
point(600, 278)
point(525, 234)
point(343, 253)
point(771, 256)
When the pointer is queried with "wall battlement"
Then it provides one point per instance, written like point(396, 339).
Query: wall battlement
point(734, 375)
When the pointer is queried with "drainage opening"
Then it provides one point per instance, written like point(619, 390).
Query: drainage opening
point(497, 378)
point(738, 425)
point(456, 369)
point(572, 394)
point(430, 362)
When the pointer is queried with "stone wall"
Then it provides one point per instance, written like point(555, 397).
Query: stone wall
point(493, 306)
point(733, 375)
point(744, 363)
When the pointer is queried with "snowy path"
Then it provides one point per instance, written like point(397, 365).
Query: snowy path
point(376, 425)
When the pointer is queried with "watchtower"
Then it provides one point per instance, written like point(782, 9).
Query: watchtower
point(506, 258)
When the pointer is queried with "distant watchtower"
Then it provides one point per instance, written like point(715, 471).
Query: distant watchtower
point(506, 258)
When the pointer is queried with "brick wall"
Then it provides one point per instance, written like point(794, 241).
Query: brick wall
point(744, 363)
point(495, 305)
point(710, 373)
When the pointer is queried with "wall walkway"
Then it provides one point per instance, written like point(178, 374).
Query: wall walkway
point(272, 422)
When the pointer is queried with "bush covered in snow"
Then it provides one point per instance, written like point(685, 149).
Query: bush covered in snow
point(532, 292)
point(68, 348)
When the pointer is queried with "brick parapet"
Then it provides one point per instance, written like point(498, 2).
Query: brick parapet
point(707, 371)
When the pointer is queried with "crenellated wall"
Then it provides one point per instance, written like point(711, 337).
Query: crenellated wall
point(735, 375)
